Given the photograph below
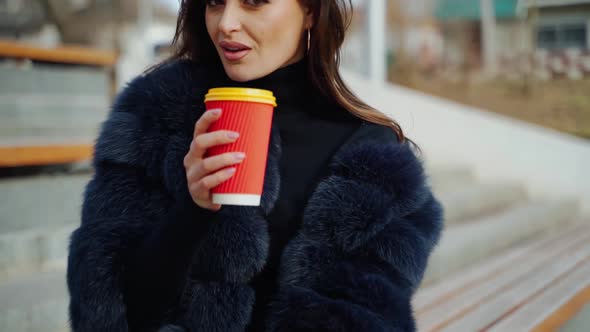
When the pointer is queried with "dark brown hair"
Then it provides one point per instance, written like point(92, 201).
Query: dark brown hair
point(331, 20)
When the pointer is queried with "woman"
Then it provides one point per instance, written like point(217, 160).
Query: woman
point(346, 222)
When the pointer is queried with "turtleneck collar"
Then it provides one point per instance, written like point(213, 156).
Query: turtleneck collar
point(289, 84)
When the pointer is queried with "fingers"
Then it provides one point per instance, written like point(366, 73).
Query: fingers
point(206, 120)
point(201, 127)
point(213, 164)
point(203, 187)
point(203, 142)
point(203, 174)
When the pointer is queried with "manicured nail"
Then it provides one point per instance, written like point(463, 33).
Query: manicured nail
point(230, 171)
point(216, 111)
point(239, 155)
point(233, 135)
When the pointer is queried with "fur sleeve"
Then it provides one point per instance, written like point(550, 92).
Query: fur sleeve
point(126, 200)
point(364, 246)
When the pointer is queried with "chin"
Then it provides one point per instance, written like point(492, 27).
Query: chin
point(237, 72)
point(241, 72)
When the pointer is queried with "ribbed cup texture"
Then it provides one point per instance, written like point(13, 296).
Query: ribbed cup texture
point(253, 121)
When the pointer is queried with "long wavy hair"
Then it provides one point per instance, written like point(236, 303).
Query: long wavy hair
point(331, 20)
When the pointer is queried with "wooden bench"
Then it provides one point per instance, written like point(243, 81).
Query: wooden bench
point(65, 54)
point(38, 151)
point(34, 154)
point(537, 286)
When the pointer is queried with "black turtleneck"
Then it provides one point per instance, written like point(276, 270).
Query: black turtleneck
point(311, 128)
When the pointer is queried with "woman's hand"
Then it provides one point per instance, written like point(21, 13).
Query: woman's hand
point(204, 174)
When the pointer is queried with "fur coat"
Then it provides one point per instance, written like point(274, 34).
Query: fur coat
point(366, 234)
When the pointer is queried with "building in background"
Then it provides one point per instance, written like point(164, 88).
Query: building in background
point(544, 38)
point(561, 30)
point(560, 24)
point(461, 26)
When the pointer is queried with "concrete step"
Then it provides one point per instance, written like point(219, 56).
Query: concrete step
point(40, 201)
point(467, 243)
point(35, 303)
point(37, 215)
point(33, 249)
point(69, 83)
point(478, 200)
point(447, 177)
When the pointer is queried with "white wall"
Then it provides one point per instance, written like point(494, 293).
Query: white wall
point(549, 163)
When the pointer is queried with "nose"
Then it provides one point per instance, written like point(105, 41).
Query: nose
point(230, 19)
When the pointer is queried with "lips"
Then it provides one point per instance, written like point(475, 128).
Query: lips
point(234, 51)
point(233, 46)
point(235, 55)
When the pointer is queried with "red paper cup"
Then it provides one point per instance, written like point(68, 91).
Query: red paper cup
point(249, 112)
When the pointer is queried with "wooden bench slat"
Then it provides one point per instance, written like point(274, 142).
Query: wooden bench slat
point(521, 291)
point(535, 314)
point(458, 306)
point(44, 154)
point(561, 319)
point(430, 296)
point(64, 54)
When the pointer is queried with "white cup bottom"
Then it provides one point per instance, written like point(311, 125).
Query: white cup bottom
point(236, 199)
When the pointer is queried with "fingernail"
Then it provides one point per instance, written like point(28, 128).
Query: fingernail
point(239, 155)
point(230, 171)
point(216, 111)
point(233, 135)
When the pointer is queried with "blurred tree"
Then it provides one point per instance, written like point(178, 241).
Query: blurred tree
point(402, 66)
point(528, 74)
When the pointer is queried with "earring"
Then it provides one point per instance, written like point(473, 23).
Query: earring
point(308, 39)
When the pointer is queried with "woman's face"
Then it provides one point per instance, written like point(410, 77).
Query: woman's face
point(273, 30)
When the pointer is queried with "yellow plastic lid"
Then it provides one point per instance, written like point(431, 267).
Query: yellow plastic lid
point(241, 94)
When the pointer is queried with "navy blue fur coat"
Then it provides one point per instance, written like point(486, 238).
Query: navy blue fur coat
point(367, 231)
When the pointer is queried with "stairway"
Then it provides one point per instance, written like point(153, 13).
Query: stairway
point(38, 213)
